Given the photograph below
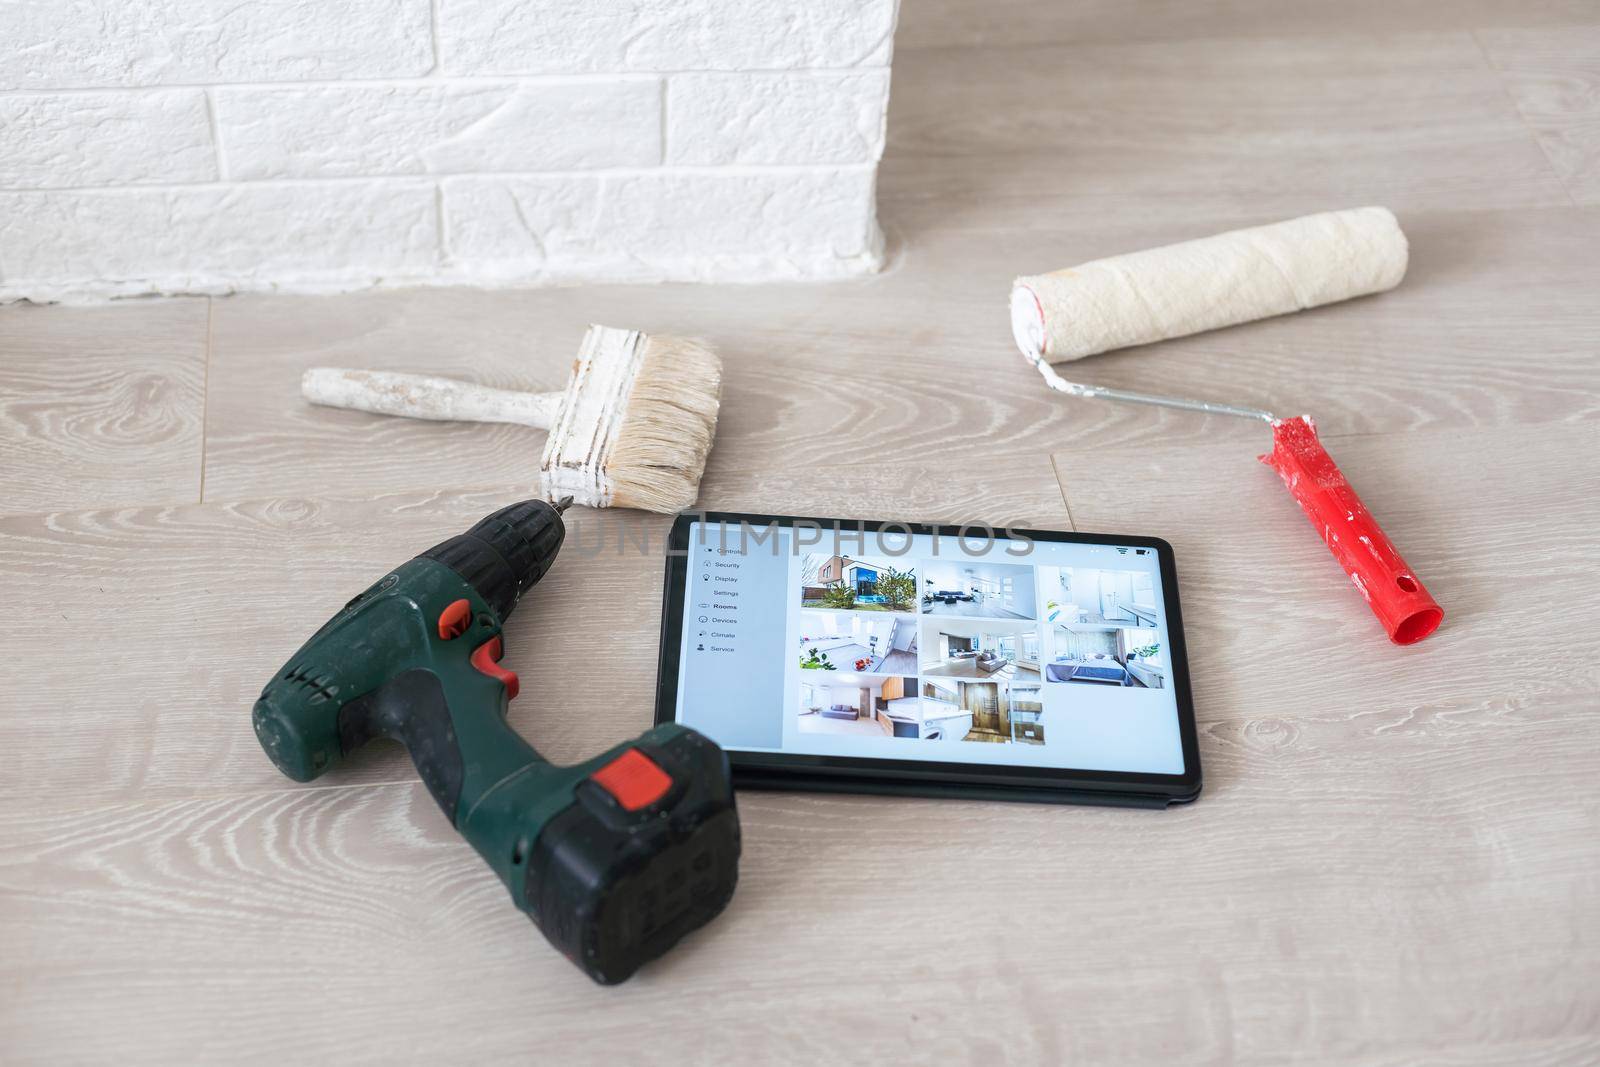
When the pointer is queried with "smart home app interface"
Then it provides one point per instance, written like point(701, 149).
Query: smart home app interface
point(964, 649)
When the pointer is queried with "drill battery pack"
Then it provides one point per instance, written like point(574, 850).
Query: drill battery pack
point(617, 878)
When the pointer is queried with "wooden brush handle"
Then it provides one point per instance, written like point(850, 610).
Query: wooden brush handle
point(419, 396)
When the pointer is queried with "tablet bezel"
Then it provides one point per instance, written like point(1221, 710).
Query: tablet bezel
point(786, 770)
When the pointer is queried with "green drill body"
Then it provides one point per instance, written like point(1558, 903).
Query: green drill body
point(414, 658)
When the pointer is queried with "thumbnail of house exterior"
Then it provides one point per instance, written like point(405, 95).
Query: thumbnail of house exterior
point(843, 571)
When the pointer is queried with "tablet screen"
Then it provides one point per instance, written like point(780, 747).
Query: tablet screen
point(983, 647)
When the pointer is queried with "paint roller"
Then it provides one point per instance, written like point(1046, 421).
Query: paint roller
point(1236, 277)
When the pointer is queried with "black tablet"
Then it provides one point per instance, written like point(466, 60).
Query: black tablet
point(885, 657)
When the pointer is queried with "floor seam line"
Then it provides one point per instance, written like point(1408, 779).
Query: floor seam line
point(1061, 487)
point(1522, 118)
point(205, 395)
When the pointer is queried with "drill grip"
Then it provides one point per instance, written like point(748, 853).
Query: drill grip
point(413, 709)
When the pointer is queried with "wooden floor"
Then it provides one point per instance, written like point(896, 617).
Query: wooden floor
point(898, 662)
point(1397, 856)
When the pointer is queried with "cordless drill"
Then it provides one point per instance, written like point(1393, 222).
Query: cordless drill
point(614, 859)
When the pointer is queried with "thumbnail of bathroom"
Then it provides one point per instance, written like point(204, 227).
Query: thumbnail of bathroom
point(851, 583)
point(1000, 650)
point(858, 642)
point(974, 589)
point(986, 711)
point(1102, 625)
point(860, 705)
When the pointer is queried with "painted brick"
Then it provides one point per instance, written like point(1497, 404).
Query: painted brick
point(89, 43)
point(553, 36)
point(214, 238)
point(696, 225)
point(776, 117)
point(85, 139)
point(768, 116)
point(446, 129)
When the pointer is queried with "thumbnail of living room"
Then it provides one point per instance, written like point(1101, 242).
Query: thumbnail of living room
point(985, 711)
point(864, 705)
point(1101, 625)
point(978, 590)
point(865, 583)
point(858, 643)
point(1000, 651)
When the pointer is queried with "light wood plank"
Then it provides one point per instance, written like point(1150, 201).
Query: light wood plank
point(101, 406)
point(1553, 75)
point(1372, 905)
point(1003, 23)
point(1180, 131)
point(1017, 491)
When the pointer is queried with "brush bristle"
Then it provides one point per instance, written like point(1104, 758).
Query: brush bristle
point(667, 427)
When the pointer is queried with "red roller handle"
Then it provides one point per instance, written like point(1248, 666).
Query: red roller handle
point(1393, 592)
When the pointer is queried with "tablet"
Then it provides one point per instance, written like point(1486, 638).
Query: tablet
point(886, 657)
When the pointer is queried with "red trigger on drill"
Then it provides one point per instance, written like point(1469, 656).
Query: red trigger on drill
point(486, 659)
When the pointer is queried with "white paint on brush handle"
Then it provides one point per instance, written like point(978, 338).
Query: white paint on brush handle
point(420, 396)
point(576, 458)
point(1234, 277)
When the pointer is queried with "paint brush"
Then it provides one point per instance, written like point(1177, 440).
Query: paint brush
point(631, 430)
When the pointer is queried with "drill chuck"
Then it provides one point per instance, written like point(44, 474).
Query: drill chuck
point(505, 553)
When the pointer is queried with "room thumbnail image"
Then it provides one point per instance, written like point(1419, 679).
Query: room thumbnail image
point(861, 705)
point(858, 643)
point(1001, 650)
point(1102, 628)
point(985, 711)
point(866, 583)
point(978, 590)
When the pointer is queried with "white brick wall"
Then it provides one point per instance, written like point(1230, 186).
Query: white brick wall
point(105, 138)
point(732, 224)
point(212, 145)
point(776, 118)
point(316, 236)
point(439, 128)
point(555, 36)
point(72, 44)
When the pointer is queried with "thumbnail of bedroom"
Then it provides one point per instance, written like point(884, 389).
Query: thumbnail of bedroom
point(849, 583)
point(1102, 628)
